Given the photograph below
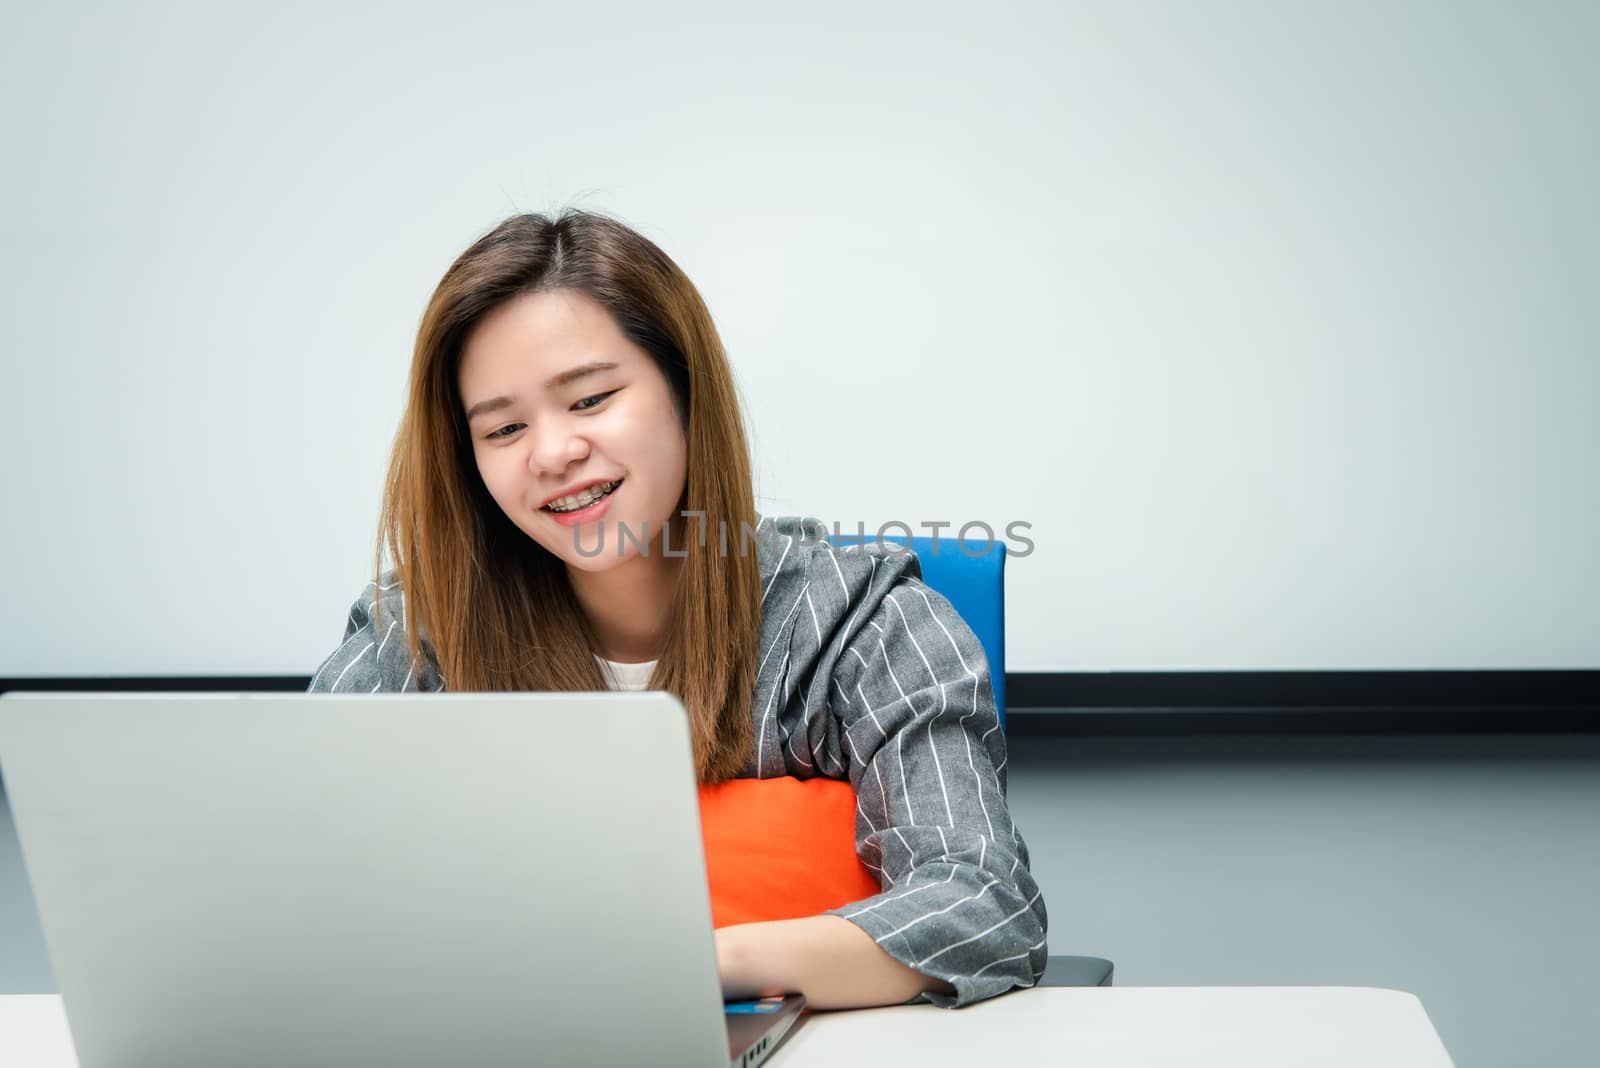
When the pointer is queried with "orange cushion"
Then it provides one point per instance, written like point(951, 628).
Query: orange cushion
point(777, 849)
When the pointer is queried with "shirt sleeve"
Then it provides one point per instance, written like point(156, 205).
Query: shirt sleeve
point(368, 661)
point(927, 761)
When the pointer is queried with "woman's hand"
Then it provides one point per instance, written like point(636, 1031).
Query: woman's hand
point(830, 960)
point(739, 957)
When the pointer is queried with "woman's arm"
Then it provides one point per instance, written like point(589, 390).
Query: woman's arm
point(834, 963)
point(926, 757)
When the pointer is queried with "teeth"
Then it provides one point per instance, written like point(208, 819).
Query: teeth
point(581, 500)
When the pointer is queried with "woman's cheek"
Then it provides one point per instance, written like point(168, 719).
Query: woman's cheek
point(501, 487)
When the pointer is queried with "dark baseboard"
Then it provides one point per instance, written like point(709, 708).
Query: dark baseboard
point(1302, 702)
point(1044, 704)
point(161, 683)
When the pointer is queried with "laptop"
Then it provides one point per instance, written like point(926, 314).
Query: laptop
point(374, 879)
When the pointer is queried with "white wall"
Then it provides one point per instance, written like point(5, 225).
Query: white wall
point(1276, 320)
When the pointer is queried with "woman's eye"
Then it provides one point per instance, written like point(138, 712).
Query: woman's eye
point(584, 405)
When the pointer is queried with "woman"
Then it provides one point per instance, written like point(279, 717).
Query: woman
point(569, 507)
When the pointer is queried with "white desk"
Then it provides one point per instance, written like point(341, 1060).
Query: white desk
point(1086, 1027)
point(1127, 1026)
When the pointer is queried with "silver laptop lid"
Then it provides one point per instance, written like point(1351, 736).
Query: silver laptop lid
point(383, 879)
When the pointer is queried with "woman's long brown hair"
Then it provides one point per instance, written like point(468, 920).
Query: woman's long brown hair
point(495, 606)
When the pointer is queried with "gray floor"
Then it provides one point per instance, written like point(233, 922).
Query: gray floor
point(1464, 870)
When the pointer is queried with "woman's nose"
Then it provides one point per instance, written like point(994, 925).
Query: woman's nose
point(556, 449)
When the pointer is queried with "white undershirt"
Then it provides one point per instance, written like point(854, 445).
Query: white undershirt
point(626, 676)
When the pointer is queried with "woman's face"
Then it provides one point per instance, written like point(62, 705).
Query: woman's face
point(560, 405)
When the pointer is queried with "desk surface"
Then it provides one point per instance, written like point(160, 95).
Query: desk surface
point(1087, 1027)
point(1121, 1027)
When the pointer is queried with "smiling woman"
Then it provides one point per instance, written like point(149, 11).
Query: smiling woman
point(555, 356)
point(571, 438)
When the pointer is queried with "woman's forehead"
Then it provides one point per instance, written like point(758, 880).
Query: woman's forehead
point(536, 338)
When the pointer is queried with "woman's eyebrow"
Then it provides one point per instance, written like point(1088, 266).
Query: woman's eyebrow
point(565, 378)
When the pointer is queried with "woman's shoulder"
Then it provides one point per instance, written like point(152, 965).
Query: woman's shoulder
point(374, 652)
point(860, 617)
point(383, 600)
point(800, 562)
point(798, 543)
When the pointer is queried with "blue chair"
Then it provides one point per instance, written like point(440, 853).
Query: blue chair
point(975, 586)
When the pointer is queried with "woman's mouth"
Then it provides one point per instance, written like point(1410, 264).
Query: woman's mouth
point(582, 506)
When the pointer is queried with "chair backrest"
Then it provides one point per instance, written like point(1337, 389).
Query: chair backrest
point(975, 585)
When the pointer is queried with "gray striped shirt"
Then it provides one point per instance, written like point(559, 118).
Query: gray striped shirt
point(865, 674)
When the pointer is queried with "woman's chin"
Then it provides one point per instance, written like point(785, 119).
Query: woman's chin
point(601, 545)
point(594, 565)
point(589, 547)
